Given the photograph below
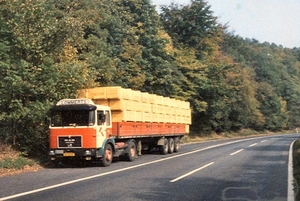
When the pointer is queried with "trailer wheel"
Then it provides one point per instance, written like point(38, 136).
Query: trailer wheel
point(176, 144)
point(107, 156)
point(131, 151)
point(170, 145)
point(165, 147)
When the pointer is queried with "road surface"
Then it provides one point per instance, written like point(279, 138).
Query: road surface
point(236, 169)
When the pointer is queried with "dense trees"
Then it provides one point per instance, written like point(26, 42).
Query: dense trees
point(39, 66)
point(50, 49)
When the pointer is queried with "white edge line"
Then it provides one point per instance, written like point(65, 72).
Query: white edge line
point(252, 145)
point(191, 172)
point(291, 192)
point(120, 170)
point(236, 152)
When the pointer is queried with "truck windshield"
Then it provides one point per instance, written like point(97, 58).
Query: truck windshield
point(72, 118)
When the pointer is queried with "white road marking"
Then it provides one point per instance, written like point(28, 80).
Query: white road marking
point(263, 140)
point(121, 170)
point(291, 182)
point(236, 152)
point(253, 145)
point(191, 172)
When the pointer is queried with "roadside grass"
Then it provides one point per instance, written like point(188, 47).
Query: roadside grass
point(13, 162)
point(194, 137)
point(17, 163)
point(296, 167)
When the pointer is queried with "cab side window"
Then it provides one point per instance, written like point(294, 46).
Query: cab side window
point(100, 117)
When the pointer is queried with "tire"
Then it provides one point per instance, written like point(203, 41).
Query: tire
point(131, 151)
point(163, 149)
point(176, 144)
point(171, 145)
point(107, 157)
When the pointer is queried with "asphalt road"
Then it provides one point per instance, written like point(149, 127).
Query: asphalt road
point(236, 169)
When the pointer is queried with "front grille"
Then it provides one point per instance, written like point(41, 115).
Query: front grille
point(69, 142)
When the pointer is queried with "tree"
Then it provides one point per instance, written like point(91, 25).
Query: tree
point(192, 25)
point(42, 67)
point(272, 107)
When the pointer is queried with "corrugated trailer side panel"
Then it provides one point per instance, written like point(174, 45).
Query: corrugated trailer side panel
point(171, 128)
point(138, 129)
point(181, 128)
point(156, 128)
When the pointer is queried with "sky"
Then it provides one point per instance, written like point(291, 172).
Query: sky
point(273, 21)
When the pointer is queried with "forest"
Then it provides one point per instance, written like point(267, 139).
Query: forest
point(51, 49)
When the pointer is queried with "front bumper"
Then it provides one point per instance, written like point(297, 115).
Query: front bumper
point(85, 154)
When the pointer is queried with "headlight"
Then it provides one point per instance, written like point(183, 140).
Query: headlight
point(51, 153)
point(88, 152)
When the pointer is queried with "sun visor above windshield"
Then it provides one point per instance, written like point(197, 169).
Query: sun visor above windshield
point(88, 107)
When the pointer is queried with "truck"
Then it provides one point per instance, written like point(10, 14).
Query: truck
point(104, 123)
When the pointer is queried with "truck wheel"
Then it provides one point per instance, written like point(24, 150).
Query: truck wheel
point(176, 144)
point(165, 147)
point(131, 151)
point(107, 156)
point(171, 145)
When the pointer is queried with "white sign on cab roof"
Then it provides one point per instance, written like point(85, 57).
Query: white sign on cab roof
point(75, 102)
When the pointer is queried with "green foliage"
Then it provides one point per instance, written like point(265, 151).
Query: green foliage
point(40, 68)
point(276, 75)
point(18, 163)
point(51, 49)
point(272, 107)
point(191, 25)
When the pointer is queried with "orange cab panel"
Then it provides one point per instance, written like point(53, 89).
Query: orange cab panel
point(88, 136)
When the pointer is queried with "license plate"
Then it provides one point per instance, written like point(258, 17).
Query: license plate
point(69, 154)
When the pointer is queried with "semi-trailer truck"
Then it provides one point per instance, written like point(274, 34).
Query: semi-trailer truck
point(107, 122)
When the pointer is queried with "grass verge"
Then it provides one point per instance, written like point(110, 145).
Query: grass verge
point(16, 163)
point(12, 162)
point(296, 167)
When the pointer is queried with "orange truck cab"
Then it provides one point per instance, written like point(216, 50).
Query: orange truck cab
point(80, 129)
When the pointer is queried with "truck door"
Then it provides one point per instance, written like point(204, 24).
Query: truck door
point(103, 121)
